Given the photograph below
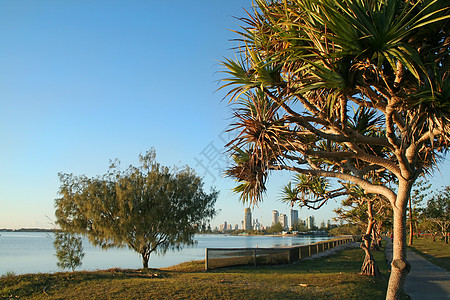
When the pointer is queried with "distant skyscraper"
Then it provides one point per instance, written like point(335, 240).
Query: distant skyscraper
point(294, 217)
point(275, 216)
point(256, 225)
point(283, 220)
point(310, 222)
point(248, 219)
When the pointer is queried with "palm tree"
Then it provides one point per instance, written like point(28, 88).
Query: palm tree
point(304, 67)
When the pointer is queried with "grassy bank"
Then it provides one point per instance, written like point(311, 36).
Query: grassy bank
point(437, 252)
point(333, 277)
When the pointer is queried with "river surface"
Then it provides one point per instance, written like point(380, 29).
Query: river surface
point(33, 252)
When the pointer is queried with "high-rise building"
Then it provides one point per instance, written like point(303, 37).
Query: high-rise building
point(283, 220)
point(256, 225)
point(248, 219)
point(294, 217)
point(275, 216)
point(310, 222)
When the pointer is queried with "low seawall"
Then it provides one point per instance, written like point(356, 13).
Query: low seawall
point(227, 257)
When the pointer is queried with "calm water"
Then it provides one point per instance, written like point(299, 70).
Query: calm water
point(22, 252)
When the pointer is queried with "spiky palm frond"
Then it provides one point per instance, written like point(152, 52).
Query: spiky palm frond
point(303, 63)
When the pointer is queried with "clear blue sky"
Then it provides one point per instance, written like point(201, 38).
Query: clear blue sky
point(83, 82)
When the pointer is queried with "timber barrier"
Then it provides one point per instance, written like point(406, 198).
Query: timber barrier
point(227, 257)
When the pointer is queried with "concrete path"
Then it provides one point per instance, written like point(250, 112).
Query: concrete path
point(425, 280)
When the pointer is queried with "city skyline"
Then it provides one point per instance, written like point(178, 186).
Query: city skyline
point(249, 223)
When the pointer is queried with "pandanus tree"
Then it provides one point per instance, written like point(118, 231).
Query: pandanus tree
point(303, 66)
point(369, 211)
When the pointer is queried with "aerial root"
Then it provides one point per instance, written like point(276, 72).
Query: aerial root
point(369, 267)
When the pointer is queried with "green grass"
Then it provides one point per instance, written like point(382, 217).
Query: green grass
point(333, 277)
point(437, 252)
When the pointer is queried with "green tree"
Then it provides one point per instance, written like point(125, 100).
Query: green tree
point(149, 208)
point(303, 67)
point(275, 228)
point(438, 211)
point(323, 226)
point(418, 194)
point(299, 226)
point(346, 229)
point(69, 250)
point(427, 225)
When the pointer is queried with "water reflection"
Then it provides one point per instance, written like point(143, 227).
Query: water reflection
point(22, 252)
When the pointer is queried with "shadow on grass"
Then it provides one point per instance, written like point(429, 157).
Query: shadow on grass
point(443, 263)
point(349, 260)
point(29, 284)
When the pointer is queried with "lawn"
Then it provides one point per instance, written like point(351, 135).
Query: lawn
point(333, 277)
point(437, 252)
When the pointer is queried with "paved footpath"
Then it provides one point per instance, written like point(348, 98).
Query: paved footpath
point(425, 280)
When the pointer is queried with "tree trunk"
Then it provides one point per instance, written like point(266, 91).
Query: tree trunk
point(376, 236)
point(400, 266)
point(411, 227)
point(145, 262)
point(145, 258)
point(444, 236)
point(369, 266)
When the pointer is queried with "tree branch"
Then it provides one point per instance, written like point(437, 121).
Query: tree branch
point(368, 187)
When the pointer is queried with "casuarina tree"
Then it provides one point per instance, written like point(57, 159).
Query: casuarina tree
point(69, 250)
point(302, 69)
point(149, 208)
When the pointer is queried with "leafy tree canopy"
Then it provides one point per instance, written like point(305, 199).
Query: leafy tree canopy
point(275, 228)
point(149, 208)
point(344, 89)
